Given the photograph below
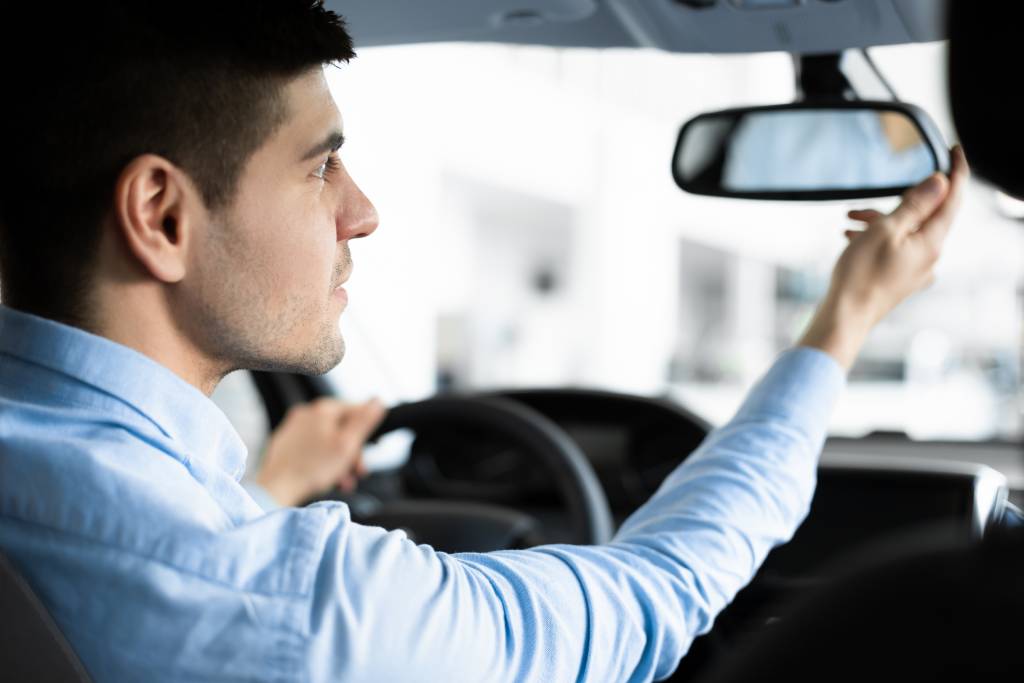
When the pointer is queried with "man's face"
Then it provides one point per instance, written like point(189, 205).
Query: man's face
point(268, 268)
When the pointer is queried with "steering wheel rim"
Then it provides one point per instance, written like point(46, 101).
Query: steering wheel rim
point(590, 518)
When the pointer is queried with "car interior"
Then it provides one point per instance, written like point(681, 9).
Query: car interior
point(484, 451)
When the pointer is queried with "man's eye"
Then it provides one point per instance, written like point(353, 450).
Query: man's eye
point(328, 167)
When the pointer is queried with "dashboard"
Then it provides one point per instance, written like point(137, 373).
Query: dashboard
point(862, 499)
point(862, 505)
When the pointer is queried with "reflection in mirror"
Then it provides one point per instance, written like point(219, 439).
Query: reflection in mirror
point(803, 150)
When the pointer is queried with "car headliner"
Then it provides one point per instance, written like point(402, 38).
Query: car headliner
point(803, 26)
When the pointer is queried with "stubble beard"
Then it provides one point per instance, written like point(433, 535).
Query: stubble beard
point(234, 326)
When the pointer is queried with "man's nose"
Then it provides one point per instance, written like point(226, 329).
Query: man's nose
point(358, 216)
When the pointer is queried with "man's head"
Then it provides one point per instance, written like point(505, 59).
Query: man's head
point(176, 165)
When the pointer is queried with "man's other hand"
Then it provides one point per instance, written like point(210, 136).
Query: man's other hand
point(319, 445)
point(893, 257)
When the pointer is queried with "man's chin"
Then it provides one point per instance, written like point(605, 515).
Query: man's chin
point(323, 357)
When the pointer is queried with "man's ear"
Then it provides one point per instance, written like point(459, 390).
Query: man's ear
point(156, 208)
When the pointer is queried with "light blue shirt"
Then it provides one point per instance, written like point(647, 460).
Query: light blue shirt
point(120, 502)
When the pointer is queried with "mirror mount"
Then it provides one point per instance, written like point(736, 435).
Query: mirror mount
point(821, 78)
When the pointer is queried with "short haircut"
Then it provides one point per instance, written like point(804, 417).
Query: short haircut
point(89, 86)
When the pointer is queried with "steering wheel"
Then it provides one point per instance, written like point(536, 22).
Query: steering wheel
point(454, 525)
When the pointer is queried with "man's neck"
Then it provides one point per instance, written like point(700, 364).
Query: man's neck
point(141, 319)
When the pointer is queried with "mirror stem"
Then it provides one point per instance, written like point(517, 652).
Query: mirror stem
point(820, 77)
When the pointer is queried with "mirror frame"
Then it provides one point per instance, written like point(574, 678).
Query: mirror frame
point(929, 131)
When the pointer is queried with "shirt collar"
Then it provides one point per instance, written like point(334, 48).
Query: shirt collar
point(179, 410)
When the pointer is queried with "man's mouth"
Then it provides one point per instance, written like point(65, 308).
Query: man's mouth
point(338, 290)
point(340, 293)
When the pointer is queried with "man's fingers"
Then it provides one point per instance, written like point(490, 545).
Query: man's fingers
point(331, 407)
point(919, 203)
point(360, 421)
point(361, 470)
point(937, 227)
point(353, 472)
point(864, 215)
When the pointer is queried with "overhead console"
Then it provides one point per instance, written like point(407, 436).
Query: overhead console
point(806, 26)
point(410, 21)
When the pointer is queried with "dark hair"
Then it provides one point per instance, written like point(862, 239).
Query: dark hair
point(987, 103)
point(198, 82)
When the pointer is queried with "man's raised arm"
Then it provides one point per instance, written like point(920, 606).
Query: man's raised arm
point(383, 608)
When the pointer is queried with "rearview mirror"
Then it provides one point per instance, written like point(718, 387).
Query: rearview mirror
point(809, 151)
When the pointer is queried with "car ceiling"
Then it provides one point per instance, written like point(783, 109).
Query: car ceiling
point(804, 26)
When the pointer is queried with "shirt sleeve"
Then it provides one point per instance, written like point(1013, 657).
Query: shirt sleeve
point(384, 608)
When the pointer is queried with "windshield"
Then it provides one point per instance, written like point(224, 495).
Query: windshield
point(532, 235)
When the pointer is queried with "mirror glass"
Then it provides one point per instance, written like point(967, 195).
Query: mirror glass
point(803, 151)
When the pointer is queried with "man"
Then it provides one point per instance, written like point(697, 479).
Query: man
point(173, 208)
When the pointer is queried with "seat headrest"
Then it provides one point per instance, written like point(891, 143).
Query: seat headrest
point(32, 648)
point(985, 61)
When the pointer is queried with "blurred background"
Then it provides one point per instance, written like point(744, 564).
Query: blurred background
point(532, 235)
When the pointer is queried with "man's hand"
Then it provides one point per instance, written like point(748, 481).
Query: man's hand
point(317, 446)
point(893, 257)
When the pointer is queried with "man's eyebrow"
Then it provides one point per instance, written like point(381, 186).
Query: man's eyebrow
point(332, 142)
